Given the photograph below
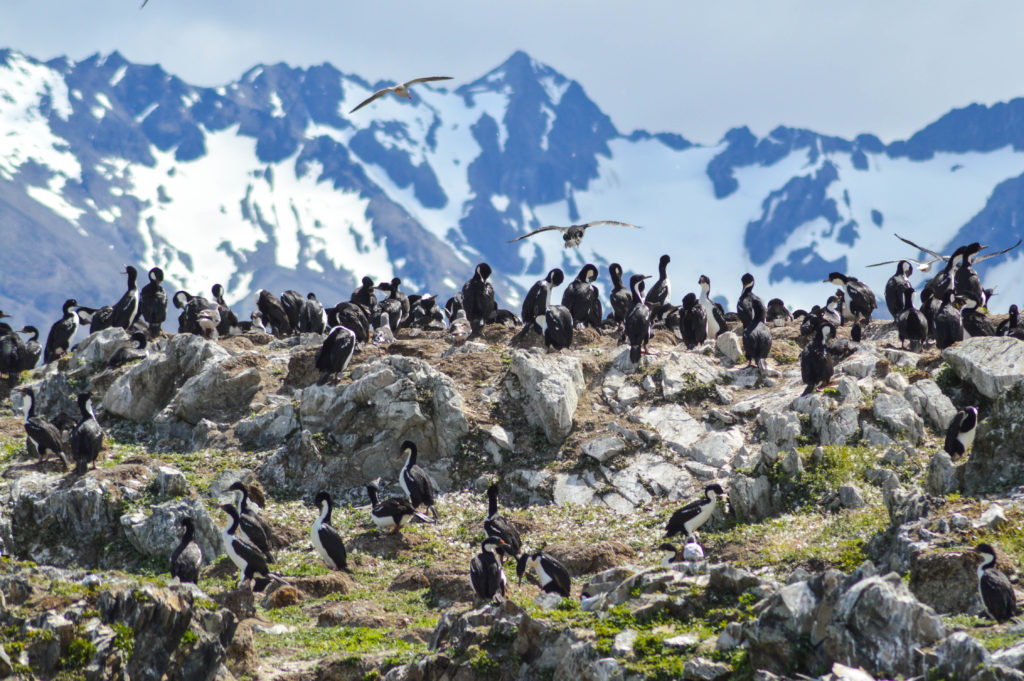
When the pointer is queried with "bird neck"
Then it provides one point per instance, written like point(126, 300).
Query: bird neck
point(988, 561)
point(242, 499)
point(374, 500)
point(492, 503)
point(325, 512)
point(131, 280)
point(410, 460)
point(31, 406)
point(190, 533)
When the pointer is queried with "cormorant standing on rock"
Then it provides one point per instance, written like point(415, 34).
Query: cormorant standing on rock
point(961, 431)
point(62, 332)
point(275, 318)
point(911, 324)
point(777, 311)
point(366, 297)
point(745, 303)
point(693, 322)
point(187, 558)
point(127, 353)
point(537, 300)
point(255, 529)
point(638, 321)
point(33, 350)
point(621, 297)
point(996, 591)
point(497, 525)
point(335, 353)
point(896, 287)
point(714, 312)
point(976, 322)
point(692, 517)
point(485, 573)
point(661, 292)
point(87, 436)
point(478, 298)
point(552, 575)
point(583, 300)
point(860, 299)
point(947, 325)
point(43, 434)
point(153, 301)
point(126, 308)
point(246, 557)
point(816, 362)
point(757, 337)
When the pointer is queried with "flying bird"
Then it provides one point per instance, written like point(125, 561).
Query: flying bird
point(573, 234)
point(400, 90)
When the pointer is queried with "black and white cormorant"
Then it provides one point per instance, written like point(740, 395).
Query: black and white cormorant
point(896, 287)
point(537, 300)
point(714, 312)
point(62, 332)
point(1011, 326)
point(947, 325)
point(33, 350)
point(415, 481)
point(353, 317)
point(573, 234)
point(638, 322)
point(326, 540)
point(485, 572)
point(86, 437)
point(249, 560)
point(745, 303)
point(757, 337)
point(816, 363)
point(254, 529)
point(688, 552)
point(275, 318)
point(208, 318)
point(556, 327)
point(12, 349)
point(43, 434)
point(975, 321)
point(396, 305)
point(393, 512)
point(497, 525)
point(335, 353)
point(810, 320)
point(128, 353)
point(693, 322)
point(661, 291)
point(995, 589)
point(153, 301)
point(966, 282)
point(690, 518)
point(832, 314)
point(777, 311)
point(366, 296)
point(478, 298)
point(552, 575)
point(293, 302)
point(583, 300)
point(960, 433)
point(425, 314)
point(621, 298)
point(228, 323)
point(313, 318)
point(860, 299)
point(911, 324)
point(187, 558)
point(127, 308)
point(382, 334)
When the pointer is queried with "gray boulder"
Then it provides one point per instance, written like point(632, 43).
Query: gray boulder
point(996, 462)
point(552, 385)
point(958, 656)
point(990, 363)
point(677, 428)
point(785, 620)
point(750, 498)
point(96, 350)
point(158, 533)
point(896, 413)
point(218, 392)
point(269, 428)
point(682, 371)
point(930, 403)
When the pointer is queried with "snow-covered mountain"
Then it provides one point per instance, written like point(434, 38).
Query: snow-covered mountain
point(268, 182)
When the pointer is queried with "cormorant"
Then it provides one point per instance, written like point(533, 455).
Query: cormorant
point(126, 308)
point(583, 300)
point(275, 318)
point(661, 290)
point(485, 573)
point(255, 529)
point(477, 298)
point(996, 591)
point(62, 332)
point(127, 353)
point(757, 337)
point(947, 325)
point(335, 353)
point(393, 512)
point(692, 517)
point(247, 558)
point(153, 301)
point(497, 525)
point(816, 362)
point(33, 350)
point(744, 305)
point(187, 558)
point(896, 287)
point(911, 324)
point(621, 297)
point(43, 434)
point(326, 540)
point(860, 299)
point(415, 481)
point(961, 431)
point(86, 437)
point(638, 321)
point(552, 575)
point(693, 322)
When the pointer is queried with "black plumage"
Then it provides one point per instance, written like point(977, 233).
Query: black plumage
point(693, 322)
point(996, 590)
point(661, 290)
point(326, 540)
point(832, 314)
point(128, 353)
point(353, 317)
point(254, 529)
point(392, 512)
point(127, 308)
point(293, 302)
point(153, 301)
point(583, 300)
point(62, 332)
point(425, 314)
point(621, 298)
point(966, 282)
point(975, 321)
point(99, 319)
point(745, 303)
point(860, 299)
point(537, 300)
point(33, 351)
point(556, 326)
point(757, 337)
point(961, 431)
point(816, 363)
point(1011, 326)
point(366, 296)
point(228, 320)
point(497, 525)
point(777, 311)
point(947, 326)
point(691, 517)
point(485, 573)
point(86, 437)
point(477, 298)
point(638, 322)
point(896, 288)
point(911, 324)
point(335, 353)
point(247, 558)
point(43, 434)
point(187, 558)
point(396, 305)
point(275, 317)
point(12, 349)
point(415, 481)
point(551, 574)
point(313, 318)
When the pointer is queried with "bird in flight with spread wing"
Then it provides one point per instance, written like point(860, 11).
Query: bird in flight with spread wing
point(573, 234)
point(401, 90)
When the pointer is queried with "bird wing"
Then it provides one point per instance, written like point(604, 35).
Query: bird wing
point(932, 253)
point(609, 222)
point(499, 526)
point(538, 231)
point(559, 574)
point(333, 544)
point(893, 262)
point(425, 79)
point(375, 95)
point(985, 257)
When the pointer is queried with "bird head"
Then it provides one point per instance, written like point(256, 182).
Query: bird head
point(747, 280)
point(321, 498)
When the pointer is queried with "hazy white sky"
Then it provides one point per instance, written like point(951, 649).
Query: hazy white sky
point(696, 68)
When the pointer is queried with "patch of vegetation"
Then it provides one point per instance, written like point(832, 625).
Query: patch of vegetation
point(694, 392)
point(124, 638)
point(785, 360)
point(80, 651)
point(317, 642)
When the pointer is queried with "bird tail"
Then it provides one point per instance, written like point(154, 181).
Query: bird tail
point(634, 353)
point(424, 518)
point(324, 379)
point(81, 467)
point(270, 558)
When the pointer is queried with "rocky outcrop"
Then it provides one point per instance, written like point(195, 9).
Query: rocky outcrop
point(997, 460)
point(990, 363)
point(550, 387)
point(158, 532)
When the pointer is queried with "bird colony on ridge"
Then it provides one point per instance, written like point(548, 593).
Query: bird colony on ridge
point(953, 305)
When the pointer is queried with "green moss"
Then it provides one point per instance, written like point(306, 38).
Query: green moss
point(124, 638)
point(80, 651)
point(694, 392)
point(189, 637)
point(318, 642)
point(483, 664)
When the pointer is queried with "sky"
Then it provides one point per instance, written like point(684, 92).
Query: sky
point(887, 67)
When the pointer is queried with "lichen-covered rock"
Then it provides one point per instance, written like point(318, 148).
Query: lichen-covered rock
point(686, 371)
point(896, 413)
point(157, 533)
point(552, 385)
point(677, 428)
point(97, 348)
point(218, 392)
point(990, 363)
point(784, 621)
point(930, 403)
point(945, 581)
point(996, 462)
point(750, 498)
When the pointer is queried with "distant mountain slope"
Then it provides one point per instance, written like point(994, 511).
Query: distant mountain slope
point(267, 182)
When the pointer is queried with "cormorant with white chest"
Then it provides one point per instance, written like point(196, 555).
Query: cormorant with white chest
point(745, 303)
point(975, 321)
point(583, 300)
point(777, 311)
point(126, 308)
point(638, 321)
point(392, 512)
point(153, 301)
point(335, 353)
point(326, 540)
point(313, 318)
point(86, 437)
point(552, 575)
point(396, 304)
point(497, 525)
point(43, 434)
point(478, 298)
point(661, 291)
point(187, 557)
point(714, 312)
point(127, 353)
point(896, 288)
point(692, 517)
point(33, 350)
point(353, 317)
point(228, 319)
point(996, 590)
point(485, 573)
point(62, 332)
point(254, 529)
point(249, 560)
point(961, 431)
point(537, 300)
point(415, 481)
point(860, 299)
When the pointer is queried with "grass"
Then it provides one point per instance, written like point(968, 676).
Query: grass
point(315, 643)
